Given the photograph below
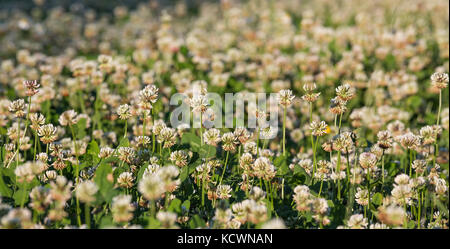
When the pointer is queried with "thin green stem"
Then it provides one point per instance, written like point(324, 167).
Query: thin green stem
point(153, 134)
point(203, 189)
point(405, 221)
point(314, 145)
point(167, 200)
point(224, 168)
point(152, 208)
point(125, 130)
point(87, 215)
point(257, 141)
point(284, 131)
point(382, 167)
point(410, 162)
point(18, 143)
point(35, 146)
point(143, 122)
point(201, 129)
point(77, 173)
point(310, 112)
point(440, 106)
point(321, 185)
point(436, 150)
point(368, 190)
point(338, 169)
point(419, 212)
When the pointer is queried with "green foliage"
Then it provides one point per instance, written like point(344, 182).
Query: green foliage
point(175, 206)
point(377, 199)
point(197, 222)
point(106, 190)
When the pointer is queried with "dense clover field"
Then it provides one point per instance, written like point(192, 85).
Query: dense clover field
point(361, 138)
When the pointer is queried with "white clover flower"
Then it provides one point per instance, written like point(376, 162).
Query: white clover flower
point(85, 191)
point(121, 208)
point(151, 187)
point(357, 221)
point(285, 98)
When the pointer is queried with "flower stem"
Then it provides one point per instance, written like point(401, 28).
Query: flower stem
point(368, 190)
point(321, 185)
point(440, 106)
point(405, 221)
point(125, 130)
point(338, 169)
point(167, 200)
point(382, 167)
point(18, 143)
point(143, 124)
point(314, 155)
point(87, 215)
point(35, 145)
point(257, 140)
point(420, 210)
point(284, 131)
point(224, 168)
point(203, 189)
point(201, 129)
point(152, 209)
point(77, 173)
point(310, 112)
point(410, 162)
point(436, 150)
point(153, 134)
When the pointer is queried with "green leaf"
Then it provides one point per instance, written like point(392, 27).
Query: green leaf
point(9, 172)
point(93, 149)
point(124, 142)
point(308, 217)
point(4, 190)
point(105, 186)
point(186, 205)
point(281, 165)
point(330, 203)
point(158, 106)
point(175, 206)
point(81, 128)
point(411, 224)
point(19, 195)
point(377, 199)
point(2, 153)
point(154, 223)
point(106, 221)
point(301, 171)
point(197, 222)
point(141, 171)
point(207, 151)
point(414, 102)
point(186, 171)
point(191, 139)
point(442, 207)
